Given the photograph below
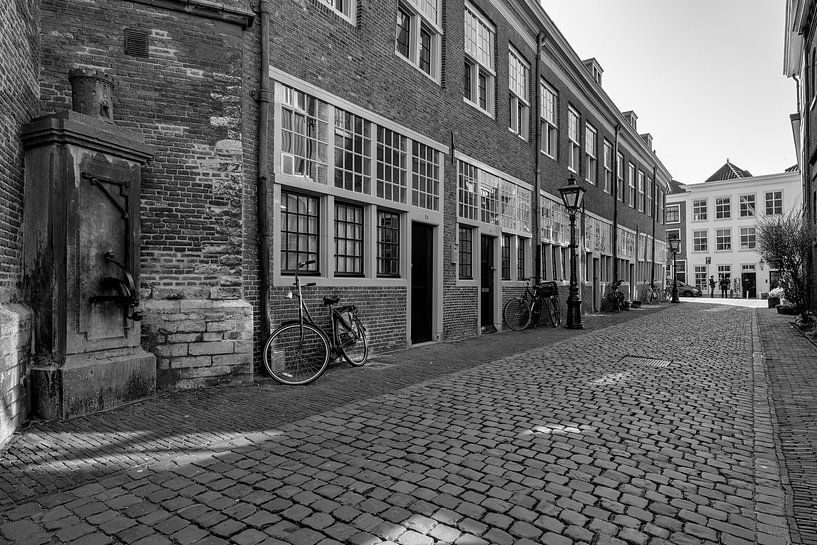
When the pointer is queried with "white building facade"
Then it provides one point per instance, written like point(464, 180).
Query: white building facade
point(716, 222)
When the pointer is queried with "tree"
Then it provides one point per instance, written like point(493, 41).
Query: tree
point(785, 241)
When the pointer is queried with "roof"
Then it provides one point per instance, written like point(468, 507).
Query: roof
point(793, 168)
point(729, 172)
point(676, 187)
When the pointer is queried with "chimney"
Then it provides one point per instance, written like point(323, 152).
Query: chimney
point(91, 93)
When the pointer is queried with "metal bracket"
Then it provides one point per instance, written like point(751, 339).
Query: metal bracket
point(123, 190)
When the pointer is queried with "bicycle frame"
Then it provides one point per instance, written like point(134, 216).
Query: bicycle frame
point(305, 315)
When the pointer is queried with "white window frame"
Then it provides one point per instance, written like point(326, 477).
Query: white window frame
point(673, 207)
point(573, 137)
point(419, 18)
point(728, 203)
point(696, 213)
point(641, 199)
point(348, 12)
point(519, 118)
point(718, 239)
point(608, 166)
point(744, 236)
point(549, 118)
point(697, 239)
point(631, 185)
point(741, 203)
point(680, 241)
point(477, 65)
point(620, 176)
point(766, 202)
point(591, 142)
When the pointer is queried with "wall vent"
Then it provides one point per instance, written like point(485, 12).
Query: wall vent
point(136, 42)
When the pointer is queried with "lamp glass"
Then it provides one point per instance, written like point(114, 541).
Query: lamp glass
point(572, 194)
point(674, 245)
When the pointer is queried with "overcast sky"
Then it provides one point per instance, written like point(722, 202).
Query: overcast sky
point(705, 77)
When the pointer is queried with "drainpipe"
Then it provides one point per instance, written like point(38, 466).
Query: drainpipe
point(262, 194)
point(653, 214)
point(537, 236)
point(615, 205)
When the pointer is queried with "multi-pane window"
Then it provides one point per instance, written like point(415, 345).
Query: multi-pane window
point(723, 240)
point(573, 140)
point(700, 241)
point(640, 191)
point(343, 7)
point(699, 212)
point(425, 179)
point(608, 166)
point(748, 240)
point(353, 150)
point(466, 252)
point(723, 208)
point(468, 196)
point(681, 270)
point(480, 75)
point(672, 235)
point(388, 244)
point(724, 271)
point(747, 206)
point(520, 258)
point(348, 239)
point(518, 91)
point(631, 182)
point(649, 191)
point(590, 146)
point(417, 38)
point(304, 134)
point(774, 202)
point(620, 176)
point(550, 116)
point(300, 232)
point(700, 278)
point(392, 165)
point(489, 199)
point(506, 257)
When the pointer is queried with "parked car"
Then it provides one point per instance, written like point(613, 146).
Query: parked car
point(687, 290)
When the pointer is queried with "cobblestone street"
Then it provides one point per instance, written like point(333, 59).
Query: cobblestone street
point(656, 429)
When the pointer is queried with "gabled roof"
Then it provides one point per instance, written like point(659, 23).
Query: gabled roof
point(729, 172)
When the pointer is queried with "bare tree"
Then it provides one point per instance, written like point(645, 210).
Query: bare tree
point(785, 241)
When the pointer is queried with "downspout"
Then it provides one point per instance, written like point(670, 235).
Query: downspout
point(537, 235)
point(653, 214)
point(615, 205)
point(262, 194)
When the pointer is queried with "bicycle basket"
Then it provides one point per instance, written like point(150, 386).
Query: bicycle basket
point(344, 324)
point(546, 289)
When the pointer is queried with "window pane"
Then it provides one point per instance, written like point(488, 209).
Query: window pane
point(348, 239)
point(299, 233)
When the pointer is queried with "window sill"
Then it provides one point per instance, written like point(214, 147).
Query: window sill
point(478, 108)
point(411, 63)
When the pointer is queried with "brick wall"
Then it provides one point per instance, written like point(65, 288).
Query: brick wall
point(19, 94)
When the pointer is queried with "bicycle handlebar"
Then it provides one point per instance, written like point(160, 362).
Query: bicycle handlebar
point(303, 264)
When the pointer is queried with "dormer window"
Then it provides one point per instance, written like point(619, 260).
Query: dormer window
point(594, 68)
point(631, 118)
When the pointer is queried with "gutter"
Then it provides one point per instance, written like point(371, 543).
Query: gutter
point(537, 260)
point(615, 205)
point(654, 221)
point(262, 189)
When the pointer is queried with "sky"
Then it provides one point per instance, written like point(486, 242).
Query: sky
point(704, 77)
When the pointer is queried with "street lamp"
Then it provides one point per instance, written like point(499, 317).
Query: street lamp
point(572, 197)
point(674, 247)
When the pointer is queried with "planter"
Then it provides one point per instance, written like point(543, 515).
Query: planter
point(773, 301)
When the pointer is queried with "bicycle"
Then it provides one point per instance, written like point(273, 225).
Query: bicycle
point(615, 297)
point(652, 295)
point(298, 351)
point(525, 311)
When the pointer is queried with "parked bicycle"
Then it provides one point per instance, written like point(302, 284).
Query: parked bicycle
point(526, 311)
point(299, 351)
point(615, 297)
point(652, 295)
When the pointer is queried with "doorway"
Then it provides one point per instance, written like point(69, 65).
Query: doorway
point(748, 281)
point(487, 271)
point(422, 282)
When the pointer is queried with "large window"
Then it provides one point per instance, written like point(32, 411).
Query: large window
point(681, 270)
point(520, 257)
point(518, 91)
point(723, 208)
point(353, 151)
point(425, 179)
point(673, 214)
point(300, 232)
point(392, 168)
point(699, 210)
point(747, 238)
point(700, 241)
point(608, 166)
point(388, 244)
point(648, 208)
point(631, 182)
point(700, 278)
point(468, 191)
point(590, 151)
point(506, 257)
point(620, 176)
point(747, 206)
point(418, 36)
point(348, 239)
point(550, 123)
point(723, 240)
point(573, 139)
point(346, 8)
point(466, 253)
point(304, 135)
point(641, 198)
point(479, 60)
point(774, 202)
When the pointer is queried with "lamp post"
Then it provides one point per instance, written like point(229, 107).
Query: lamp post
point(572, 197)
point(674, 246)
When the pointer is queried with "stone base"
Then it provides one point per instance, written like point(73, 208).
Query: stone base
point(199, 342)
point(88, 384)
point(15, 341)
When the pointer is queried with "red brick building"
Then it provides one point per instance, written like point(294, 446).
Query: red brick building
point(412, 149)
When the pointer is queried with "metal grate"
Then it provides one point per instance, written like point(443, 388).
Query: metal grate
point(136, 42)
point(646, 362)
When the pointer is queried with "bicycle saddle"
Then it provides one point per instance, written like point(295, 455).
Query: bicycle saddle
point(331, 300)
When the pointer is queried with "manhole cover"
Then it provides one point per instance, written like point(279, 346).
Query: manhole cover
point(646, 362)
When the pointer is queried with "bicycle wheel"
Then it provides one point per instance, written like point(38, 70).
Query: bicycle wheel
point(555, 311)
point(296, 354)
point(356, 351)
point(517, 314)
point(649, 295)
